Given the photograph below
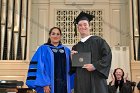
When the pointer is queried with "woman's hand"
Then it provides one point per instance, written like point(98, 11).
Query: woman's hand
point(113, 79)
point(47, 89)
point(126, 77)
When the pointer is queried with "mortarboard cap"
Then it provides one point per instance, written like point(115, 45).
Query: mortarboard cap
point(82, 16)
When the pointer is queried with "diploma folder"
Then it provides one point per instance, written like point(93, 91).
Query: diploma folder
point(79, 59)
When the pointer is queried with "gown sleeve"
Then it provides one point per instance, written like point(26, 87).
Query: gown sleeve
point(37, 75)
point(111, 88)
point(126, 88)
point(72, 69)
point(103, 64)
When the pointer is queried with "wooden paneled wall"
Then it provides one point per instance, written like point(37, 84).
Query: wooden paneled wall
point(14, 70)
point(135, 70)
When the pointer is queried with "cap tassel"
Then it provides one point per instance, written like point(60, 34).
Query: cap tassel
point(75, 29)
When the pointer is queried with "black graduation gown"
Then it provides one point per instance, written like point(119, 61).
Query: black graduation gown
point(123, 88)
point(95, 81)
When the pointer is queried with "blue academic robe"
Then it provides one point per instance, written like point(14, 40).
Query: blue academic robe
point(41, 69)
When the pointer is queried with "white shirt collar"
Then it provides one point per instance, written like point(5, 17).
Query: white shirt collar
point(85, 38)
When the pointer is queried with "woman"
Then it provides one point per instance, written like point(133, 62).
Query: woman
point(119, 83)
point(49, 67)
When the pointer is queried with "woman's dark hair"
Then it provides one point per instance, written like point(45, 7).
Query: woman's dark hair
point(49, 40)
point(120, 83)
point(116, 70)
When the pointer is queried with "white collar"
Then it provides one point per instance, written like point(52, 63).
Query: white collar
point(85, 38)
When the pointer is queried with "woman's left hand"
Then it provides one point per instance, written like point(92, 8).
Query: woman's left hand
point(47, 89)
point(126, 77)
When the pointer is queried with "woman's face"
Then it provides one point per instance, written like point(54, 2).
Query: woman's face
point(119, 74)
point(55, 36)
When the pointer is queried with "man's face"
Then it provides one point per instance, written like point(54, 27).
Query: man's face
point(83, 27)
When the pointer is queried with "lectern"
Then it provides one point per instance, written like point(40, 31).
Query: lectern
point(13, 86)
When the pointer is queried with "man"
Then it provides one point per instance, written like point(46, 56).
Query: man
point(91, 78)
